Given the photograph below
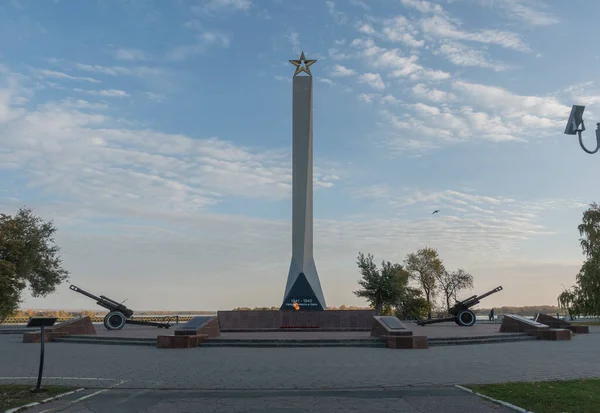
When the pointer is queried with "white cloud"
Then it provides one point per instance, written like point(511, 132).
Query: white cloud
point(394, 61)
point(211, 6)
point(510, 105)
point(529, 12)
point(366, 28)
point(337, 55)
point(372, 79)
point(434, 95)
point(426, 109)
point(130, 54)
point(472, 112)
point(88, 156)
point(399, 29)
point(341, 71)
point(366, 97)
point(442, 27)
point(203, 42)
point(113, 93)
point(119, 70)
point(155, 97)
point(462, 55)
point(423, 6)
point(53, 74)
point(294, 40)
point(327, 81)
point(338, 16)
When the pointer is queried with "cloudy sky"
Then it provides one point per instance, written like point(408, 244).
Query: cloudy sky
point(157, 136)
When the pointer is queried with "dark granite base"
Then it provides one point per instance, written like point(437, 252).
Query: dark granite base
point(332, 320)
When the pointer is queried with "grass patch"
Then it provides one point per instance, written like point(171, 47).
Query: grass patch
point(565, 396)
point(15, 395)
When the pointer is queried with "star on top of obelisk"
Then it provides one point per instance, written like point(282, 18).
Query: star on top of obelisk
point(302, 65)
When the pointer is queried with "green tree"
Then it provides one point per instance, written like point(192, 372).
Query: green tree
point(425, 266)
point(28, 257)
point(412, 305)
point(381, 287)
point(584, 297)
point(451, 283)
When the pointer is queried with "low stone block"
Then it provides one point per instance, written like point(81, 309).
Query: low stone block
point(200, 325)
point(180, 341)
point(512, 323)
point(173, 341)
point(550, 321)
point(36, 337)
point(388, 326)
point(553, 334)
point(80, 325)
point(579, 329)
point(406, 342)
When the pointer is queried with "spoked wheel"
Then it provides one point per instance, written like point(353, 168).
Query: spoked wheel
point(466, 318)
point(114, 320)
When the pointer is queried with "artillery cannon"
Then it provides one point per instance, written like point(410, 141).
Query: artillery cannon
point(118, 315)
point(460, 313)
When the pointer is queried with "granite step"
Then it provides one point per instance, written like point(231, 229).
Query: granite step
point(107, 341)
point(296, 344)
point(462, 338)
point(492, 340)
point(294, 340)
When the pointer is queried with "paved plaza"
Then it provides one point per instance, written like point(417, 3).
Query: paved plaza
point(229, 379)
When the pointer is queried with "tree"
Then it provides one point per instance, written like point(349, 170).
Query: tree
point(584, 297)
point(589, 229)
point(425, 266)
point(382, 288)
point(412, 305)
point(28, 257)
point(451, 283)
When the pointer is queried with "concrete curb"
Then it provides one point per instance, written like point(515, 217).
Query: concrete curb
point(505, 404)
point(16, 409)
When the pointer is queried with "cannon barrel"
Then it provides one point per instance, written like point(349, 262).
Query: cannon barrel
point(495, 290)
point(102, 301)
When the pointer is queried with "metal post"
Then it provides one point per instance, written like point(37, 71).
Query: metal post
point(38, 388)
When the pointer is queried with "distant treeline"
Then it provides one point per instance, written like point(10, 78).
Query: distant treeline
point(90, 313)
point(524, 311)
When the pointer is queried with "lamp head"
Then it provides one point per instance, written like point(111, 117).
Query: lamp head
point(575, 122)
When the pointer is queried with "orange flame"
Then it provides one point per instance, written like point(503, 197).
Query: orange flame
point(296, 306)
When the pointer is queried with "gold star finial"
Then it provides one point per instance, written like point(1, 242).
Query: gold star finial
point(302, 65)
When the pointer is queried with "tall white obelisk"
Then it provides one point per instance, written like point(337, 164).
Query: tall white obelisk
point(303, 288)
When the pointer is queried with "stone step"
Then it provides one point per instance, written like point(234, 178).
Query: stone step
point(107, 341)
point(292, 340)
point(101, 338)
point(461, 338)
point(280, 344)
point(19, 331)
point(479, 341)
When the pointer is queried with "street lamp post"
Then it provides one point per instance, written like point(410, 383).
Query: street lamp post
point(575, 126)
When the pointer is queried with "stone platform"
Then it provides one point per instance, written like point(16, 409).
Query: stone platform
point(442, 334)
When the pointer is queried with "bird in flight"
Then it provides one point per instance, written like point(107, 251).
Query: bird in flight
point(435, 212)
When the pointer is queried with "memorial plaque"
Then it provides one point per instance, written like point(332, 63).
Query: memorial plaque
point(526, 320)
point(192, 326)
point(302, 294)
point(393, 323)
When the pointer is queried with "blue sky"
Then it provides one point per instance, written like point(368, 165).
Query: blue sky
point(157, 136)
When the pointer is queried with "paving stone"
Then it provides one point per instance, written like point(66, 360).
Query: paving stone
point(265, 368)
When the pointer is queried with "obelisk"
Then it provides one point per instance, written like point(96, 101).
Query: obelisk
point(303, 286)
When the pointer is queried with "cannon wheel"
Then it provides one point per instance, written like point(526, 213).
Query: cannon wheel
point(114, 320)
point(466, 318)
